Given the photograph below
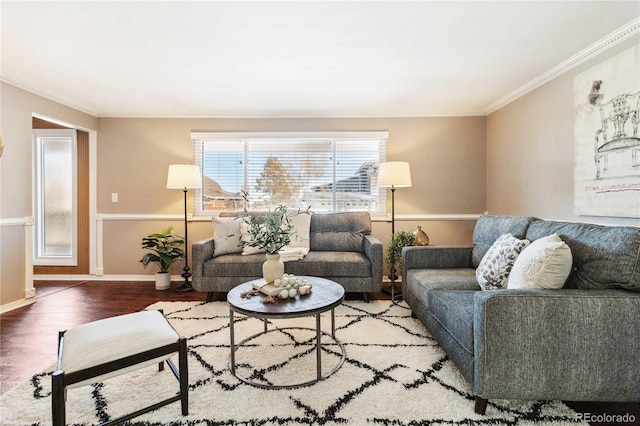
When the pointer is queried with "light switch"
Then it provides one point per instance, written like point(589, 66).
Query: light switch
point(114, 197)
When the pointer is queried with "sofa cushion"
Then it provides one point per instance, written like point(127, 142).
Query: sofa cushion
point(339, 231)
point(321, 264)
point(453, 309)
point(331, 264)
point(443, 279)
point(603, 256)
point(234, 265)
point(489, 228)
point(495, 267)
point(545, 263)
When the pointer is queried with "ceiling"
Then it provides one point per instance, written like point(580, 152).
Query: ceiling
point(293, 59)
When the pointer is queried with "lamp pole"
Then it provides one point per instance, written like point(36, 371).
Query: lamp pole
point(393, 209)
point(186, 286)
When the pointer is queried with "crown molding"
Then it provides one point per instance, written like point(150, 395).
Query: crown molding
point(621, 34)
point(61, 100)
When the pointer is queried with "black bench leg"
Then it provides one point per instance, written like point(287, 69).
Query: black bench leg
point(58, 413)
point(209, 297)
point(365, 297)
point(184, 377)
point(481, 405)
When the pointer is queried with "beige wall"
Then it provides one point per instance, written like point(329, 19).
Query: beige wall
point(17, 108)
point(519, 160)
point(447, 157)
point(530, 151)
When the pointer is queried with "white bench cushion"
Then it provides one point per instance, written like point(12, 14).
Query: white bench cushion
point(113, 338)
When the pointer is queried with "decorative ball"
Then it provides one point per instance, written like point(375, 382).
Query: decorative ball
point(284, 294)
point(292, 293)
point(277, 282)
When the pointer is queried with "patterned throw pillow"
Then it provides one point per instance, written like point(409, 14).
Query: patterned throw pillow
point(545, 263)
point(226, 235)
point(301, 224)
point(494, 268)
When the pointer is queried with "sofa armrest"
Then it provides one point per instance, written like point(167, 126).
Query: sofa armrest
point(576, 345)
point(201, 251)
point(435, 257)
point(372, 248)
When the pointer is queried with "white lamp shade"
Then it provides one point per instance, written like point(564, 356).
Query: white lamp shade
point(184, 176)
point(396, 174)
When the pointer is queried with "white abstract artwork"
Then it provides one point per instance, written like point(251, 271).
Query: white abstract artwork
point(607, 138)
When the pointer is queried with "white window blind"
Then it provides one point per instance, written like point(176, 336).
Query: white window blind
point(323, 171)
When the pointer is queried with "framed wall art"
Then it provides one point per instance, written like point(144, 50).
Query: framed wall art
point(607, 138)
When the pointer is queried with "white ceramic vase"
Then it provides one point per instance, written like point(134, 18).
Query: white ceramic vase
point(272, 268)
point(163, 280)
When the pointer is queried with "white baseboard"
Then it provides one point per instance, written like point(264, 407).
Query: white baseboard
point(15, 305)
point(111, 277)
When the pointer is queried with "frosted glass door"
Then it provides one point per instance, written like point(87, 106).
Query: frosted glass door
point(56, 200)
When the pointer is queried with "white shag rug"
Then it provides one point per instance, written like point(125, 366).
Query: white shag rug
point(394, 374)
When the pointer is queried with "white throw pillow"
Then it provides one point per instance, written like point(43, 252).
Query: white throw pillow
point(546, 263)
point(494, 268)
point(226, 236)
point(301, 224)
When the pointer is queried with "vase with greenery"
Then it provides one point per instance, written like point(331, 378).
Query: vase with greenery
point(394, 252)
point(165, 250)
point(270, 231)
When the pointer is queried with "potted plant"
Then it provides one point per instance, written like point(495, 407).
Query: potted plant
point(165, 250)
point(394, 252)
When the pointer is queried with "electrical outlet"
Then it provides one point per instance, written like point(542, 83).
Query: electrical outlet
point(114, 197)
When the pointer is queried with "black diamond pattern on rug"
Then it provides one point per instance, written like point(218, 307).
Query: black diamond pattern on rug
point(394, 374)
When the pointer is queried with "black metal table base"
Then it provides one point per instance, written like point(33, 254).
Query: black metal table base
point(319, 333)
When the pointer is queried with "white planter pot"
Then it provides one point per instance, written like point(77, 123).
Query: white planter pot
point(163, 280)
point(273, 268)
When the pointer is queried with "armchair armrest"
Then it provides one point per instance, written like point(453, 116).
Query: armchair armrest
point(435, 257)
point(201, 251)
point(372, 248)
point(576, 345)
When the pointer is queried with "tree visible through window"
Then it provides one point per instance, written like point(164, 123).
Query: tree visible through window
point(324, 173)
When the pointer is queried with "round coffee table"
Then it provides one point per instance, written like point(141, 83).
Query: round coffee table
point(325, 296)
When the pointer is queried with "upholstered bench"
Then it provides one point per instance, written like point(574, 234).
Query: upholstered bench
point(99, 350)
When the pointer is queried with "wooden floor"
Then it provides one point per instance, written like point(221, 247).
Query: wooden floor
point(28, 335)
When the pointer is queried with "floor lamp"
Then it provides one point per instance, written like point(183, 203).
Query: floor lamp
point(185, 177)
point(392, 175)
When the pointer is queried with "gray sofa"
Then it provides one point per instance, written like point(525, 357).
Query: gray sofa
point(342, 249)
point(577, 343)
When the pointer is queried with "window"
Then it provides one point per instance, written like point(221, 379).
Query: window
point(324, 171)
point(55, 192)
